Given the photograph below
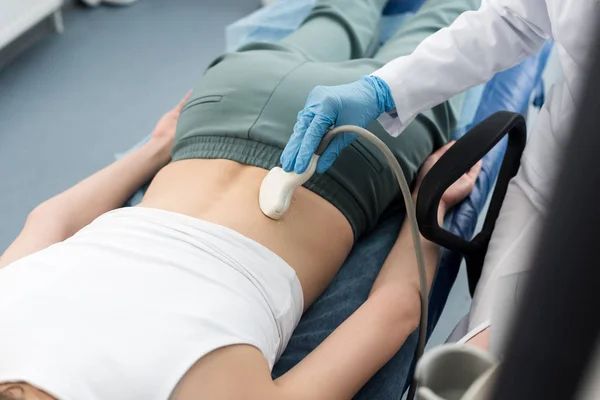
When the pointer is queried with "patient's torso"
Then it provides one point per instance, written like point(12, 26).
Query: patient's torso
point(234, 128)
point(313, 237)
point(244, 109)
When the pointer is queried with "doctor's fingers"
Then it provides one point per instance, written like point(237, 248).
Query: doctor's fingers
point(314, 134)
point(337, 145)
point(290, 152)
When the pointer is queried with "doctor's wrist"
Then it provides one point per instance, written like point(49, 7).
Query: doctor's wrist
point(385, 99)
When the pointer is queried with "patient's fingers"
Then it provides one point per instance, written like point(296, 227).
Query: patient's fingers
point(183, 101)
point(445, 147)
point(442, 150)
point(475, 170)
point(433, 159)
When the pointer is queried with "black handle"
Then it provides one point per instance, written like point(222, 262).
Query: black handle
point(465, 153)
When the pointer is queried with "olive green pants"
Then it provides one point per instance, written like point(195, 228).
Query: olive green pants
point(245, 106)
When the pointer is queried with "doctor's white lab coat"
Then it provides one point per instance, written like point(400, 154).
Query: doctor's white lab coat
point(478, 44)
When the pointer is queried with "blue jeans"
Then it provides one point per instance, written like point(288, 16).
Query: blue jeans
point(348, 291)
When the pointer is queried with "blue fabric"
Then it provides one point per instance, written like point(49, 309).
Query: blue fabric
point(540, 98)
point(268, 24)
point(402, 6)
point(470, 107)
point(279, 19)
point(509, 90)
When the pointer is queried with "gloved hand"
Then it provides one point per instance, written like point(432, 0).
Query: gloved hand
point(358, 103)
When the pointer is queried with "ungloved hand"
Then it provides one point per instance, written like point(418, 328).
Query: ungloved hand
point(459, 189)
point(164, 132)
point(358, 103)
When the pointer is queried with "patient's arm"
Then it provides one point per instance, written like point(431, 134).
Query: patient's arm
point(364, 343)
point(400, 266)
point(61, 216)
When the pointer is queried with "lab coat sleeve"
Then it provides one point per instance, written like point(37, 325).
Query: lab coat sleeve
point(469, 52)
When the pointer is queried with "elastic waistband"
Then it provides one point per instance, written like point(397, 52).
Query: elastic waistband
point(262, 155)
point(179, 222)
point(244, 151)
point(172, 219)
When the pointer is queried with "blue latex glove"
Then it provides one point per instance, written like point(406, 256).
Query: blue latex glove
point(358, 103)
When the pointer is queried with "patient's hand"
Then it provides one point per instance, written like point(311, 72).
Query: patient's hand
point(164, 132)
point(460, 189)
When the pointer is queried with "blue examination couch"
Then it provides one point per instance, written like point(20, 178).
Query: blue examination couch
point(511, 90)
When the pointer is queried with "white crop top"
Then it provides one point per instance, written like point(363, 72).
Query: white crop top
point(126, 306)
